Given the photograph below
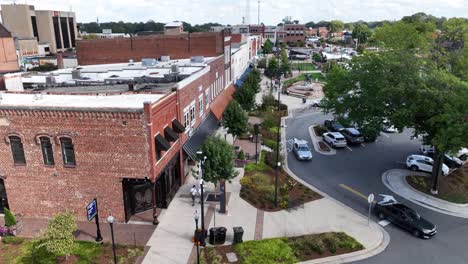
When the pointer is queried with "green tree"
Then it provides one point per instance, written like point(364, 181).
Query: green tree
point(245, 96)
point(272, 68)
point(336, 26)
point(235, 119)
point(267, 47)
point(219, 163)
point(401, 36)
point(10, 219)
point(456, 29)
point(285, 66)
point(362, 33)
point(262, 63)
point(58, 238)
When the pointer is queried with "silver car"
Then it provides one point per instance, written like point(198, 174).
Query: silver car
point(301, 150)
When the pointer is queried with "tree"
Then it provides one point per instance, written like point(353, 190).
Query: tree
point(456, 29)
point(58, 238)
point(272, 68)
point(10, 219)
point(219, 160)
point(349, 26)
point(310, 24)
point(362, 33)
point(285, 66)
point(235, 119)
point(401, 36)
point(268, 47)
point(336, 26)
point(262, 63)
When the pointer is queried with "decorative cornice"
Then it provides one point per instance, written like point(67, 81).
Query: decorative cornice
point(70, 114)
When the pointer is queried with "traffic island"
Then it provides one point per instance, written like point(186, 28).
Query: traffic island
point(258, 187)
point(284, 249)
point(321, 147)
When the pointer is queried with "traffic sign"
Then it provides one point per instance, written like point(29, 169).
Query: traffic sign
point(370, 198)
point(91, 209)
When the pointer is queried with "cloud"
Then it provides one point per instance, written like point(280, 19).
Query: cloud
point(232, 11)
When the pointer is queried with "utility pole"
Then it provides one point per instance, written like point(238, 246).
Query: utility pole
point(258, 12)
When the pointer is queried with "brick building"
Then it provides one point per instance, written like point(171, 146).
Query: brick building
point(118, 50)
point(126, 144)
point(294, 33)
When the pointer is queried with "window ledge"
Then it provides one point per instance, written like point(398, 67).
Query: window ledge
point(20, 164)
point(69, 166)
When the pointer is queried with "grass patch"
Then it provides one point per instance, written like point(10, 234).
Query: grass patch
point(452, 188)
point(303, 66)
point(274, 250)
point(302, 77)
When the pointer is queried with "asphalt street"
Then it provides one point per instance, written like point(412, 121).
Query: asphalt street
point(357, 170)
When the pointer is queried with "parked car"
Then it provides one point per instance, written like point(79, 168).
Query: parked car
point(427, 149)
point(335, 139)
point(317, 102)
point(404, 217)
point(352, 135)
point(333, 126)
point(423, 163)
point(389, 128)
point(450, 161)
point(301, 150)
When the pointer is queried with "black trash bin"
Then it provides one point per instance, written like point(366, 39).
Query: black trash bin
point(221, 235)
point(238, 233)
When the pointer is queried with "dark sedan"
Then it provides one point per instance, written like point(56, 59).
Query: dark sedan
point(333, 126)
point(352, 135)
point(404, 217)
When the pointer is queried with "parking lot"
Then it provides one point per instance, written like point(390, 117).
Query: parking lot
point(355, 172)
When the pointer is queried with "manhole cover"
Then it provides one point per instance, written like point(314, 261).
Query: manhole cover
point(231, 257)
point(213, 197)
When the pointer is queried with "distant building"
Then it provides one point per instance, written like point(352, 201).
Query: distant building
point(57, 28)
point(8, 58)
point(174, 28)
point(294, 33)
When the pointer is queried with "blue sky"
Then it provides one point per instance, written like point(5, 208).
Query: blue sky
point(232, 11)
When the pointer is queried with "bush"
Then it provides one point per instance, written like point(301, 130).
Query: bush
point(262, 63)
point(12, 240)
point(268, 100)
point(270, 143)
point(283, 202)
point(246, 181)
point(270, 159)
point(241, 155)
point(58, 238)
point(316, 246)
point(320, 130)
point(274, 250)
point(330, 243)
point(10, 219)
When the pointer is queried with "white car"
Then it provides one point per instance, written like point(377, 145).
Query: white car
point(335, 139)
point(423, 163)
point(426, 149)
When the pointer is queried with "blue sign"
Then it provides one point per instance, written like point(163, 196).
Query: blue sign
point(91, 209)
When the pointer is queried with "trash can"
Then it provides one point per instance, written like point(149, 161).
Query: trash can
point(217, 235)
point(212, 235)
point(238, 233)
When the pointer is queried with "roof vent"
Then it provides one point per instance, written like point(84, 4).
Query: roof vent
point(197, 59)
point(165, 58)
point(148, 62)
point(175, 68)
point(130, 62)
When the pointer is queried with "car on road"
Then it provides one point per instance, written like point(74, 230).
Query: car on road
point(426, 149)
point(404, 217)
point(352, 135)
point(450, 161)
point(301, 150)
point(333, 126)
point(423, 163)
point(389, 128)
point(335, 139)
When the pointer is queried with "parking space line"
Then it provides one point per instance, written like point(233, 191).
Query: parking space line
point(353, 191)
point(384, 223)
point(382, 133)
point(349, 148)
point(362, 144)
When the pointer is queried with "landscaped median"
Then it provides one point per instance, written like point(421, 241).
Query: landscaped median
point(284, 250)
point(321, 147)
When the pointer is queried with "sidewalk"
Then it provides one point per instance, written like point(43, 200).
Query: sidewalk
point(396, 182)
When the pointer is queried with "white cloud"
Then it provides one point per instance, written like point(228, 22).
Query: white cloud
point(232, 11)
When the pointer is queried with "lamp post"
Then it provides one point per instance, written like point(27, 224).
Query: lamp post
point(200, 172)
point(278, 134)
point(196, 216)
point(110, 220)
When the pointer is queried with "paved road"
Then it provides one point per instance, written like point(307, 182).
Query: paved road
point(360, 169)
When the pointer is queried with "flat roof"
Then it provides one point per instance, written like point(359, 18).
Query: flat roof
point(76, 102)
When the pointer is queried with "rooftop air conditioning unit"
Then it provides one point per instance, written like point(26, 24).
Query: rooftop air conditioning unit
point(197, 59)
point(148, 62)
point(76, 74)
point(130, 62)
point(50, 80)
point(175, 68)
point(165, 58)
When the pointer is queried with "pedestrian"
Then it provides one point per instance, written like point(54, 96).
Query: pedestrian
point(193, 192)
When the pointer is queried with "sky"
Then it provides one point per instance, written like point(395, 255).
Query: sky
point(232, 11)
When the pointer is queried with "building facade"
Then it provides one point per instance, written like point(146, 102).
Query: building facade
point(8, 58)
point(294, 33)
point(57, 28)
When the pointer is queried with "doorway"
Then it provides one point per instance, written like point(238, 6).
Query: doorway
point(3, 197)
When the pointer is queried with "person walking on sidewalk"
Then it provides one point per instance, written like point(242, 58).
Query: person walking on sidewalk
point(194, 193)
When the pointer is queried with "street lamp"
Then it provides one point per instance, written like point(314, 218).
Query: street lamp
point(200, 172)
point(110, 220)
point(278, 135)
point(196, 216)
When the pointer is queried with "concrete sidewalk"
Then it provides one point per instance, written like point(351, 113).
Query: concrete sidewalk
point(395, 180)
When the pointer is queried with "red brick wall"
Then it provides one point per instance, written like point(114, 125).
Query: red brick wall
point(108, 147)
point(101, 51)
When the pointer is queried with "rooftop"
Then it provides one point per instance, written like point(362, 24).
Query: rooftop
point(174, 24)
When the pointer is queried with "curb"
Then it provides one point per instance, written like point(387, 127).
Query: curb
point(349, 257)
point(315, 142)
point(432, 205)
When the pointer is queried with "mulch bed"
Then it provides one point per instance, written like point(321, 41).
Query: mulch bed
point(298, 195)
point(324, 147)
point(452, 188)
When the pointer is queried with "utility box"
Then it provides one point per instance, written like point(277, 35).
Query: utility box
point(238, 233)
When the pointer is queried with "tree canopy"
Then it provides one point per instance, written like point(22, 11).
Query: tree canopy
point(336, 26)
point(219, 163)
point(235, 119)
point(267, 47)
point(362, 33)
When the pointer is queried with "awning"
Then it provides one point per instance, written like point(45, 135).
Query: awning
point(242, 77)
point(178, 127)
point(206, 128)
point(170, 135)
point(161, 143)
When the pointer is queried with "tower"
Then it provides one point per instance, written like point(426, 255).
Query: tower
point(258, 12)
point(247, 11)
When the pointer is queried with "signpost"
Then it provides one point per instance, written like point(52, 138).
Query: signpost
point(370, 200)
point(92, 212)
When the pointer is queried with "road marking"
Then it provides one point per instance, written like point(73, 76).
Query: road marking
point(384, 223)
point(349, 148)
point(382, 133)
point(306, 115)
point(353, 191)
point(362, 144)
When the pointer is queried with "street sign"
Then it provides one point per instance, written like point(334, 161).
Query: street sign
point(91, 209)
point(370, 198)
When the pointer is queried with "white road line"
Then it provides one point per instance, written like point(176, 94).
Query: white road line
point(306, 115)
point(384, 223)
point(382, 133)
point(362, 144)
point(349, 148)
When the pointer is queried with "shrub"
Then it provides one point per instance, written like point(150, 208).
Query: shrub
point(241, 155)
point(246, 181)
point(58, 238)
point(270, 120)
point(261, 63)
point(12, 240)
point(316, 246)
point(274, 250)
point(283, 190)
point(270, 143)
point(283, 202)
point(10, 219)
point(330, 243)
point(270, 159)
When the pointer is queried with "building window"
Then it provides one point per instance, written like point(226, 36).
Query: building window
point(200, 104)
point(47, 152)
point(72, 31)
point(58, 40)
point(65, 37)
point(17, 150)
point(68, 152)
point(207, 99)
point(186, 119)
point(34, 26)
point(192, 113)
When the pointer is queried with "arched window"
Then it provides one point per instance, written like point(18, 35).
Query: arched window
point(17, 150)
point(68, 151)
point(47, 152)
